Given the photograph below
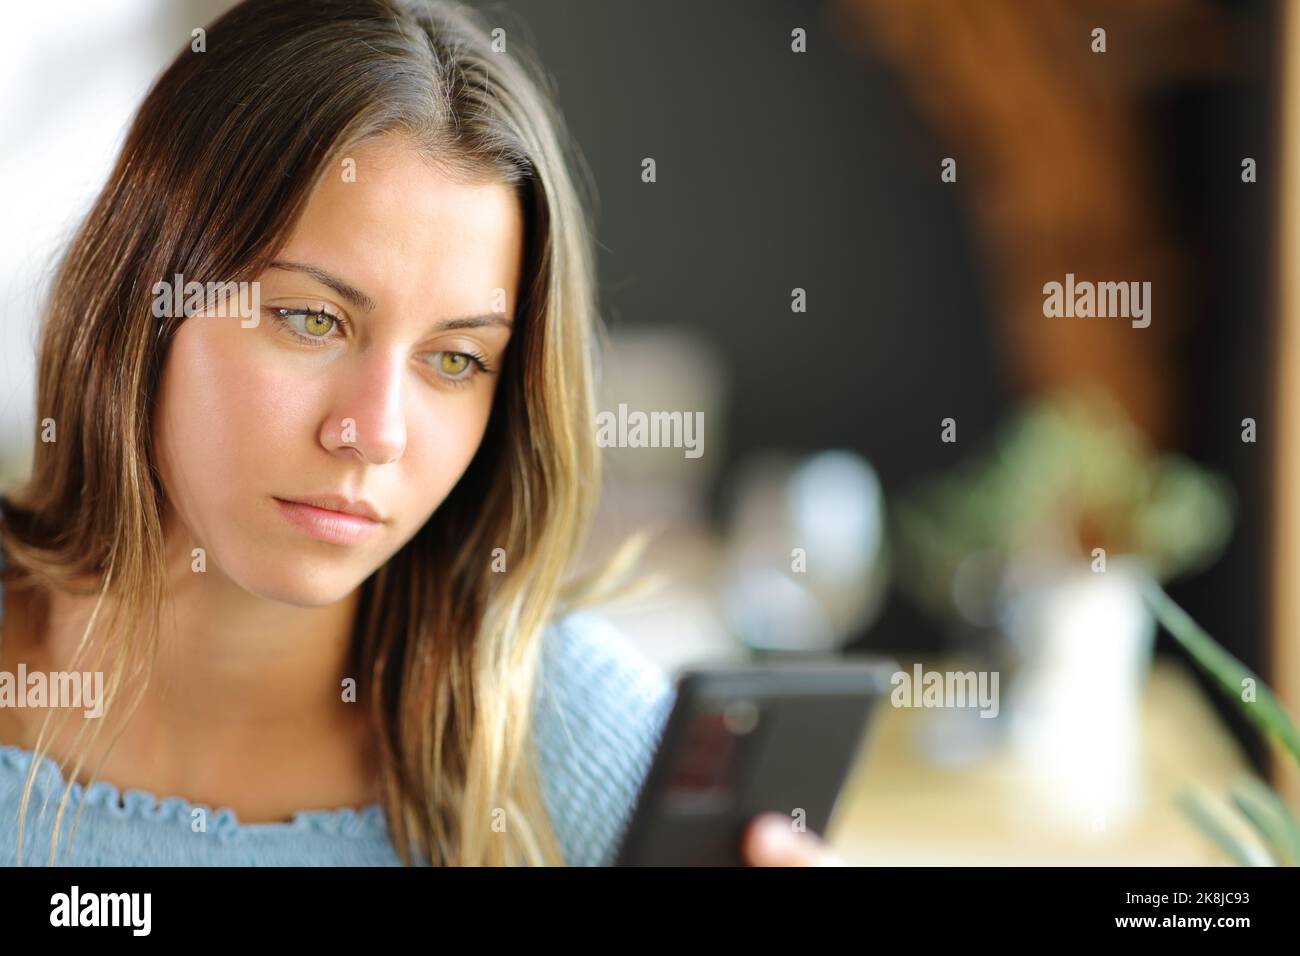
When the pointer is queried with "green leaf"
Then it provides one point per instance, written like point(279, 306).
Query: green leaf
point(1266, 712)
point(1207, 820)
point(1271, 817)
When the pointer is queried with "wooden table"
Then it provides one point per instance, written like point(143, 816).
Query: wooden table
point(898, 808)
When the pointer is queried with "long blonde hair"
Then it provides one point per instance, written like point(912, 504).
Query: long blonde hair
point(214, 172)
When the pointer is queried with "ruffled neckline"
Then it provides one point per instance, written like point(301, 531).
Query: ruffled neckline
point(141, 804)
point(343, 821)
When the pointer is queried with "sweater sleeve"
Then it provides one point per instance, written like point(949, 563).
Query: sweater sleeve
point(600, 707)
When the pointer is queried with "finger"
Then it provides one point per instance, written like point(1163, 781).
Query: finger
point(772, 840)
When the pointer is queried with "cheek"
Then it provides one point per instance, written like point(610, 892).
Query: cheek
point(441, 442)
point(222, 418)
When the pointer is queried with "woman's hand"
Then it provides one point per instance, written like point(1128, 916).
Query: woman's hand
point(771, 840)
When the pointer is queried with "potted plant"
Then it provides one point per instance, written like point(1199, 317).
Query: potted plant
point(1045, 542)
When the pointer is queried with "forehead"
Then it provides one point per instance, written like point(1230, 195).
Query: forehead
point(400, 229)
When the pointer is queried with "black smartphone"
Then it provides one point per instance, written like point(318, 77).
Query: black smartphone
point(742, 740)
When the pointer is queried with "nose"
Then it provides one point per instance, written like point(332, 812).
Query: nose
point(367, 420)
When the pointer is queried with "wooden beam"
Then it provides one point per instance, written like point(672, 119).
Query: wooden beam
point(1285, 437)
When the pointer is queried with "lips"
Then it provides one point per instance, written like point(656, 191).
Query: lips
point(331, 523)
point(328, 502)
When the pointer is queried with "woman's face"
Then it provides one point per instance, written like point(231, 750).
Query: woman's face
point(355, 381)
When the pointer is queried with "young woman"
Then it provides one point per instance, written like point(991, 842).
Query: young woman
point(315, 450)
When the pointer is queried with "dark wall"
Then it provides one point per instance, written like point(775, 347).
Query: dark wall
point(1206, 129)
point(775, 171)
point(778, 170)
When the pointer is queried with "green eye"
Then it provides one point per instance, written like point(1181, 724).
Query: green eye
point(453, 363)
point(318, 323)
point(312, 325)
point(458, 368)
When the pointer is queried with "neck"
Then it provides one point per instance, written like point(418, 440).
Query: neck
point(241, 685)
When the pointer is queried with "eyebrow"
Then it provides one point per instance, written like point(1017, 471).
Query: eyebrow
point(367, 304)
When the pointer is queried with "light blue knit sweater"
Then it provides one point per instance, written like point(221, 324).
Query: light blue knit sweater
point(600, 708)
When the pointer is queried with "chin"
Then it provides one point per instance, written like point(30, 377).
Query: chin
point(301, 581)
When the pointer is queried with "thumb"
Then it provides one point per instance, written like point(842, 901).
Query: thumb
point(772, 840)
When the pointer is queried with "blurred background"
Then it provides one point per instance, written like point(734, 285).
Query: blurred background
point(839, 270)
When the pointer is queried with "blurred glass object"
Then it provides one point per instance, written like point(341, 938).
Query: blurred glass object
point(664, 491)
point(806, 564)
point(1085, 641)
point(663, 370)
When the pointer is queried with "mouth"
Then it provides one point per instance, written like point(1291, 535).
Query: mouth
point(324, 518)
point(338, 503)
